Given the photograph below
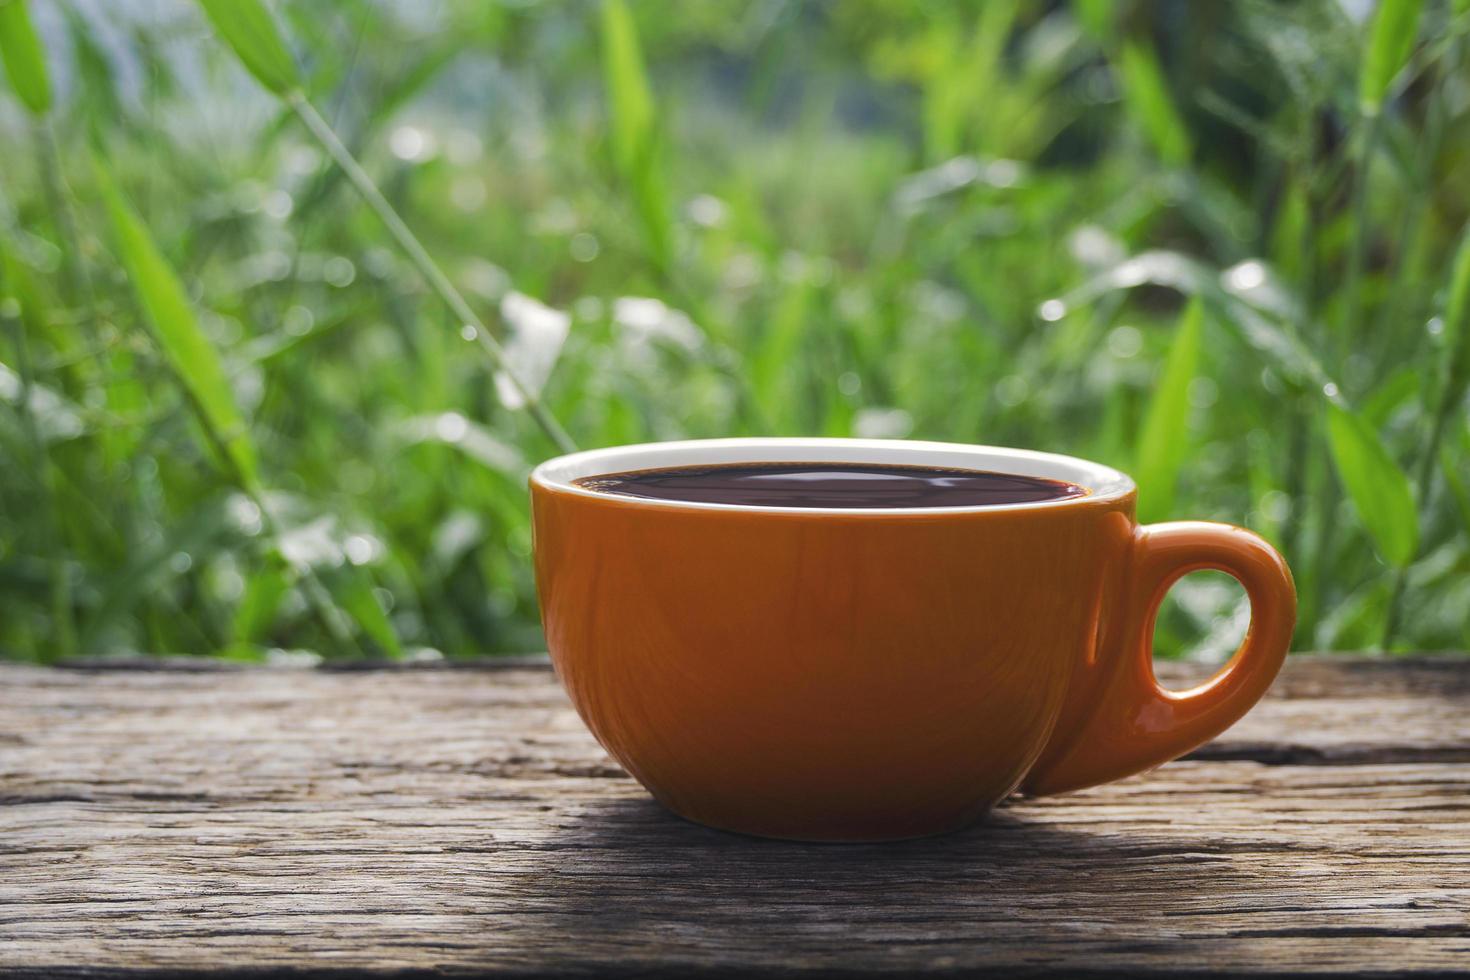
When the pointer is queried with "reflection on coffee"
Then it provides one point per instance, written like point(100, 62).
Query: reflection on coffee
point(847, 485)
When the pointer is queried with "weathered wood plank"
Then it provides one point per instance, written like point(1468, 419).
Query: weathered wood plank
point(448, 822)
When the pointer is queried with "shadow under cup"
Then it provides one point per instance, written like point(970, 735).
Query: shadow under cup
point(871, 674)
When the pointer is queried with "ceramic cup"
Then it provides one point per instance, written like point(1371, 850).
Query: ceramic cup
point(860, 675)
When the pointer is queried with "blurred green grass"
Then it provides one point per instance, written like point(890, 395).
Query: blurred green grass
point(1215, 244)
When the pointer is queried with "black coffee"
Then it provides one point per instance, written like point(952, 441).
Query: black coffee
point(832, 485)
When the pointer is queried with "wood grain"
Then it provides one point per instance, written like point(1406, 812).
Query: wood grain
point(159, 823)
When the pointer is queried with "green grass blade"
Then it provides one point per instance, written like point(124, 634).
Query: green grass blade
point(1457, 328)
point(1396, 391)
point(1454, 379)
point(362, 604)
point(1391, 39)
point(944, 101)
point(963, 67)
point(774, 365)
point(18, 285)
point(1164, 440)
point(1353, 623)
point(255, 614)
point(406, 240)
point(248, 27)
point(633, 120)
point(25, 62)
point(630, 100)
point(1451, 460)
point(191, 353)
point(250, 30)
point(1376, 485)
point(1095, 16)
point(1147, 98)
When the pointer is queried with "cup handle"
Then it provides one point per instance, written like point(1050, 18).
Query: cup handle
point(1133, 724)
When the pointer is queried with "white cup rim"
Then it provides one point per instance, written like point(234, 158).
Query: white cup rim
point(1103, 483)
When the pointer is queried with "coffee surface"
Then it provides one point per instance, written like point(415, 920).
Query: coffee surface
point(832, 485)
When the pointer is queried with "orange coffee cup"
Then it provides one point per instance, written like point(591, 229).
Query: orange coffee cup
point(860, 675)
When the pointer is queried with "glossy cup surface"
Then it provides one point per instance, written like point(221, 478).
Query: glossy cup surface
point(827, 674)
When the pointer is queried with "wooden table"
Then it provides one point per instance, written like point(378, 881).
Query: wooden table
point(159, 823)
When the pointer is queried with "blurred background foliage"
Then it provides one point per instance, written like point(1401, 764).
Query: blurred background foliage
point(1215, 244)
